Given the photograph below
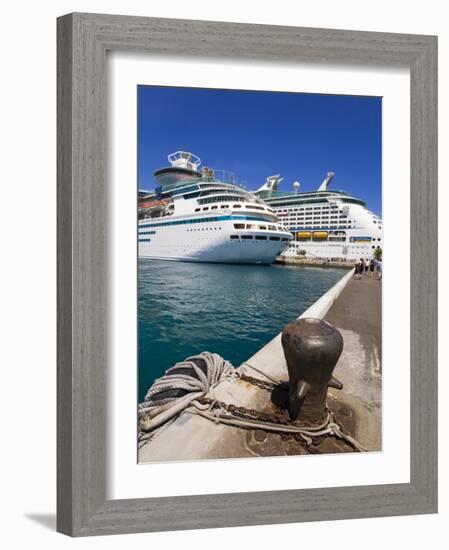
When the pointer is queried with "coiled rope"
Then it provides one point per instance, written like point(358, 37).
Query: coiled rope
point(171, 394)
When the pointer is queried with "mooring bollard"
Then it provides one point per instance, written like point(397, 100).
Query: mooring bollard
point(312, 348)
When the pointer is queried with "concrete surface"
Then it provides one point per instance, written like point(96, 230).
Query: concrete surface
point(358, 316)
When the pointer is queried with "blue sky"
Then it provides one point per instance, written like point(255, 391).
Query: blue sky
point(257, 134)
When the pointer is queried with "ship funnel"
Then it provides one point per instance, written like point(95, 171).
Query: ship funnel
point(296, 186)
point(325, 183)
point(271, 183)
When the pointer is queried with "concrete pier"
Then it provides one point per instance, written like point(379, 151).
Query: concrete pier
point(358, 316)
point(354, 307)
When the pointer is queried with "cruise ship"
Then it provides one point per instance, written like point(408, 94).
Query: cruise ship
point(325, 223)
point(204, 215)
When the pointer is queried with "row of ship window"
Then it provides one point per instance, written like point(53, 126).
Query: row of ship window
point(258, 238)
point(255, 226)
point(223, 206)
point(252, 226)
point(205, 229)
point(315, 216)
point(304, 209)
point(221, 198)
point(307, 203)
point(188, 190)
point(320, 226)
point(332, 220)
point(318, 214)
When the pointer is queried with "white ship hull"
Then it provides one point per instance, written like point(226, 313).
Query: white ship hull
point(325, 224)
point(210, 242)
point(327, 250)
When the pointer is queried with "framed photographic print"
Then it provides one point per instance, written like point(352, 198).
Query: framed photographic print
point(205, 240)
point(246, 274)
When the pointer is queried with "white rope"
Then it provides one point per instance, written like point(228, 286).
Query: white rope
point(195, 377)
point(220, 415)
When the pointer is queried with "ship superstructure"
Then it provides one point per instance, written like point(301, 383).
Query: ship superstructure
point(205, 215)
point(325, 223)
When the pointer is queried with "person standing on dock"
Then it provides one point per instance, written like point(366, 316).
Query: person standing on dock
point(379, 269)
point(358, 269)
point(362, 266)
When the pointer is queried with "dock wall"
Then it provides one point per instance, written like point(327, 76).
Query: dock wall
point(323, 304)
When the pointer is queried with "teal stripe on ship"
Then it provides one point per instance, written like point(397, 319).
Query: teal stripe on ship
point(205, 220)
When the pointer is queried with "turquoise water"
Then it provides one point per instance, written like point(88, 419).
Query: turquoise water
point(233, 310)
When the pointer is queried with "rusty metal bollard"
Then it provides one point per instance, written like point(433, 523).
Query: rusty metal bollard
point(312, 348)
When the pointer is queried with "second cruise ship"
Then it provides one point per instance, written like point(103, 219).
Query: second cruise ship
point(204, 215)
point(326, 223)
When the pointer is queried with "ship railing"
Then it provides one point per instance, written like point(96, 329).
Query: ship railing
point(223, 176)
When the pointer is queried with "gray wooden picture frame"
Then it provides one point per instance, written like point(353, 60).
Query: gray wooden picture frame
point(83, 41)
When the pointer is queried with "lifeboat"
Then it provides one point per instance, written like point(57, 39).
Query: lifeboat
point(304, 235)
point(320, 235)
point(152, 208)
point(153, 203)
